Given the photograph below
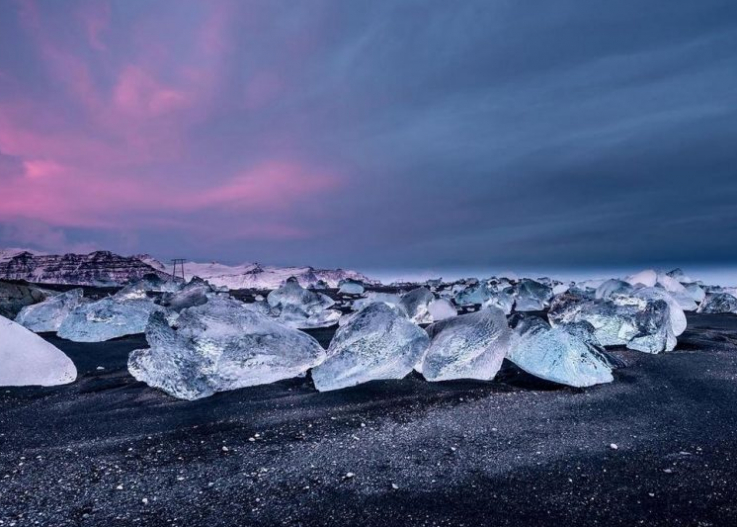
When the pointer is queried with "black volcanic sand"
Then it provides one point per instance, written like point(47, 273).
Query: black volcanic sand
point(110, 451)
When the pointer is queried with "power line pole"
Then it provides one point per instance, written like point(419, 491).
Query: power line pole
point(178, 262)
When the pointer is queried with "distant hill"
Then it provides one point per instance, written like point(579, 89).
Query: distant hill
point(104, 268)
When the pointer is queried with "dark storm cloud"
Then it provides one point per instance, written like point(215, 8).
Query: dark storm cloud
point(404, 134)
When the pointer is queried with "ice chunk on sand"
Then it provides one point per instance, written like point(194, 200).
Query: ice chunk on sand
point(651, 294)
point(695, 291)
point(416, 304)
point(28, 360)
point(124, 313)
point(613, 287)
point(568, 354)
point(475, 293)
point(470, 346)
point(372, 296)
point(648, 278)
point(351, 287)
point(219, 346)
point(643, 324)
point(531, 295)
point(440, 309)
point(194, 293)
point(49, 314)
point(379, 342)
point(718, 303)
point(299, 308)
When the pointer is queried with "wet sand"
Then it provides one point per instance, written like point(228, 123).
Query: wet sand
point(109, 451)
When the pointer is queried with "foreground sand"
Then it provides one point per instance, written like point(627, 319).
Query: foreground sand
point(110, 451)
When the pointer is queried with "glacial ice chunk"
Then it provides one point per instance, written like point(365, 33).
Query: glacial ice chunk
point(440, 309)
point(695, 291)
point(643, 324)
point(648, 278)
point(28, 360)
point(300, 308)
point(416, 304)
point(125, 313)
point(475, 293)
point(568, 354)
point(651, 294)
point(194, 293)
point(379, 342)
point(470, 346)
point(373, 296)
point(219, 346)
point(531, 295)
point(613, 287)
point(718, 303)
point(49, 314)
point(351, 287)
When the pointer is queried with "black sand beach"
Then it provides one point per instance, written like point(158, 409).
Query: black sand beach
point(109, 451)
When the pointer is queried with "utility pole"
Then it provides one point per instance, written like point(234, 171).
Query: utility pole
point(178, 262)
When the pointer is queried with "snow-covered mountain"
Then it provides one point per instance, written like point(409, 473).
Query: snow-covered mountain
point(256, 276)
point(106, 268)
point(7, 254)
point(96, 268)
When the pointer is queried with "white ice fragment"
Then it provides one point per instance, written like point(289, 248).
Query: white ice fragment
point(440, 309)
point(379, 342)
point(299, 308)
point(568, 354)
point(718, 303)
point(219, 346)
point(49, 314)
point(351, 287)
point(648, 278)
point(28, 360)
point(470, 346)
point(124, 313)
point(416, 304)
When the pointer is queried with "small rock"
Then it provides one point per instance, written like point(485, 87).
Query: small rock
point(395, 486)
point(350, 475)
point(614, 446)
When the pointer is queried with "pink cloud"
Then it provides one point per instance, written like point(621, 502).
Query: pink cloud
point(96, 19)
point(106, 152)
point(139, 94)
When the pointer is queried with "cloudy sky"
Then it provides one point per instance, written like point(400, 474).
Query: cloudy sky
point(373, 134)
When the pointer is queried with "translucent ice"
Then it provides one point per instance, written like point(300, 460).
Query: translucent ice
point(648, 278)
point(641, 323)
point(718, 303)
point(378, 342)
point(49, 314)
point(416, 304)
point(124, 313)
point(219, 346)
point(568, 354)
point(477, 293)
point(613, 287)
point(470, 346)
point(28, 360)
point(440, 309)
point(351, 287)
point(194, 293)
point(299, 308)
point(372, 296)
point(531, 295)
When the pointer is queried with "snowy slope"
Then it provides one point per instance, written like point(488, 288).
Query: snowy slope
point(256, 276)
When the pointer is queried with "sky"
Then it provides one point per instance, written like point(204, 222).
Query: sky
point(425, 136)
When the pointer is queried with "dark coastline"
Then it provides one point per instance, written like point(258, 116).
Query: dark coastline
point(509, 452)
